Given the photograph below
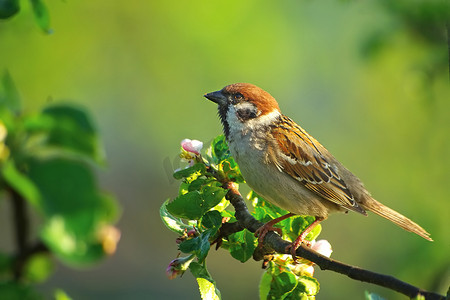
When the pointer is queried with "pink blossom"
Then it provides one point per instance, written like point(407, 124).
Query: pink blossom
point(192, 146)
point(323, 247)
point(178, 266)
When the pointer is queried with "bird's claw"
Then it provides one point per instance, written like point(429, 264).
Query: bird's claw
point(292, 248)
point(261, 232)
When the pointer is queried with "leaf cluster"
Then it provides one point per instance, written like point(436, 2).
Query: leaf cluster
point(46, 164)
point(200, 213)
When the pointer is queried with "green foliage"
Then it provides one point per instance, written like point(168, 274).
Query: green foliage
point(199, 211)
point(61, 295)
point(193, 205)
point(9, 8)
point(206, 284)
point(41, 15)
point(242, 244)
point(18, 291)
point(46, 161)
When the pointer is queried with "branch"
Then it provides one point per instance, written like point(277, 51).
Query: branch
point(274, 242)
point(21, 225)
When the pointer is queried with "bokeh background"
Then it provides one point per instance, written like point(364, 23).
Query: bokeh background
point(369, 80)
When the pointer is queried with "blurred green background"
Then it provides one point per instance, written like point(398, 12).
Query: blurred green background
point(367, 82)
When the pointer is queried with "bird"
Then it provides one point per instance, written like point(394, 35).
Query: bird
point(288, 167)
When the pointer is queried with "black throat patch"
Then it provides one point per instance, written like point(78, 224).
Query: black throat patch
point(222, 112)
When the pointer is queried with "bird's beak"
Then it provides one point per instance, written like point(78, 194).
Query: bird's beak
point(217, 97)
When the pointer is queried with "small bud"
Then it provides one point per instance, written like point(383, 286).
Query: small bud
point(109, 237)
point(192, 146)
point(192, 233)
point(178, 266)
point(323, 247)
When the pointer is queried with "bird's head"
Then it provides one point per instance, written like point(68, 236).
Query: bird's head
point(243, 103)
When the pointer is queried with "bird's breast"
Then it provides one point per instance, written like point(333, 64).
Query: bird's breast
point(275, 186)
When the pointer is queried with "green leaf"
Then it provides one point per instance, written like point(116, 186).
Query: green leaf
point(198, 168)
point(41, 15)
point(231, 170)
point(212, 219)
point(173, 223)
point(61, 295)
point(21, 183)
point(282, 285)
point(295, 225)
point(74, 130)
point(198, 183)
point(38, 268)
point(223, 204)
point(8, 8)
point(207, 289)
point(74, 209)
point(67, 187)
point(193, 205)
point(187, 206)
point(219, 148)
point(67, 129)
point(242, 244)
point(313, 234)
point(206, 284)
point(191, 245)
point(228, 214)
point(9, 95)
point(307, 285)
point(18, 291)
point(264, 285)
point(213, 196)
point(199, 245)
point(76, 248)
point(264, 209)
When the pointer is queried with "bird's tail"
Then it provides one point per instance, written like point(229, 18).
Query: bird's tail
point(399, 219)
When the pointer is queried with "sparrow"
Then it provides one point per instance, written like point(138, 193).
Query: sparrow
point(286, 166)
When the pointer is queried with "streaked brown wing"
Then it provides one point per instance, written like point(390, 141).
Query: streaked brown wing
point(303, 158)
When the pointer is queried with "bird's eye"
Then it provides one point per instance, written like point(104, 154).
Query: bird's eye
point(238, 97)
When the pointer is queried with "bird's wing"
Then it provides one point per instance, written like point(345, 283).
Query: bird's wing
point(304, 158)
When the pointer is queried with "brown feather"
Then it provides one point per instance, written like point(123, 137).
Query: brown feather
point(307, 163)
point(399, 219)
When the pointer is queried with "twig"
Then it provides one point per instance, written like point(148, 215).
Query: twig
point(277, 244)
point(21, 224)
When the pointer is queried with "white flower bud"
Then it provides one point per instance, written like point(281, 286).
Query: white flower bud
point(323, 247)
point(192, 146)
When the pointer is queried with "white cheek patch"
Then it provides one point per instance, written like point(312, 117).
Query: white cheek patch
point(265, 120)
point(237, 126)
point(234, 123)
point(245, 106)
